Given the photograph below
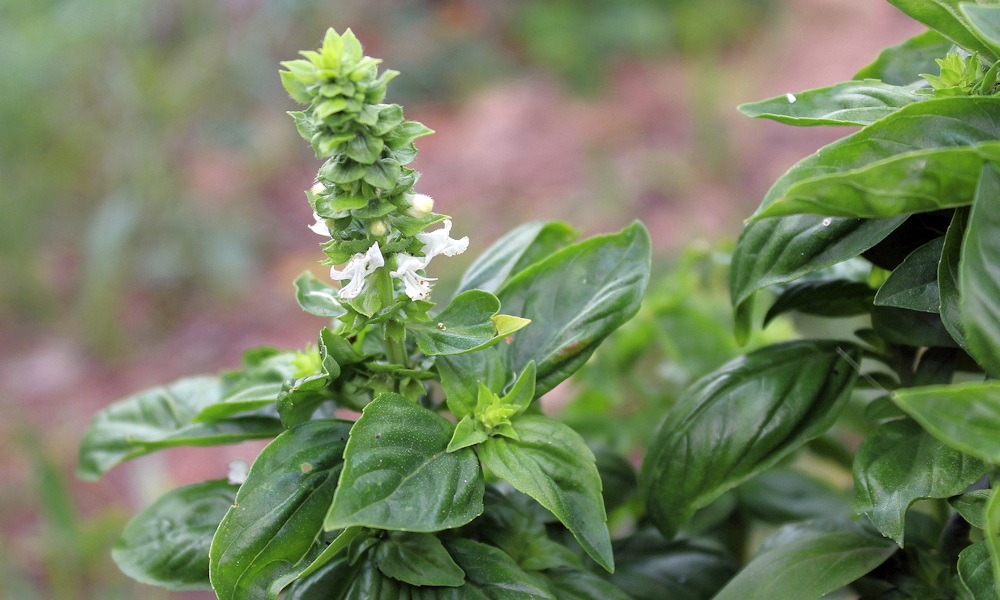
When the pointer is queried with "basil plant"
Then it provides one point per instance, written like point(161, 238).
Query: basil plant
point(859, 462)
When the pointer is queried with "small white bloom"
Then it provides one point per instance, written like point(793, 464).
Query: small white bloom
point(318, 188)
point(791, 98)
point(421, 205)
point(238, 470)
point(417, 286)
point(377, 228)
point(356, 269)
point(439, 242)
point(320, 225)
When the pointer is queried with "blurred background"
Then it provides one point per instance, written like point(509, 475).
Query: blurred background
point(152, 214)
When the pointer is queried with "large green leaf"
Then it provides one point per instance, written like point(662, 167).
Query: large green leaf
point(515, 251)
point(740, 420)
point(784, 495)
point(948, 278)
point(575, 298)
point(317, 297)
point(920, 181)
point(913, 285)
point(651, 568)
point(808, 561)
point(573, 584)
point(468, 324)
point(552, 464)
point(398, 475)
point(823, 297)
point(266, 537)
point(903, 63)
point(247, 399)
point(417, 559)
point(847, 103)
point(979, 274)
point(162, 417)
point(167, 543)
point(945, 17)
point(984, 22)
point(975, 572)
point(900, 463)
point(965, 416)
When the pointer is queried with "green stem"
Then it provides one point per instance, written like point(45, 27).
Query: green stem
point(394, 348)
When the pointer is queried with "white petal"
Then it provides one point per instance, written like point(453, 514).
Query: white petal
point(439, 242)
point(417, 286)
point(320, 226)
point(238, 470)
point(356, 269)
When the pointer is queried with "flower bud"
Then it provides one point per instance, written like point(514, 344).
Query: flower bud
point(377, 228)
point(421, 205)
point(318, 188)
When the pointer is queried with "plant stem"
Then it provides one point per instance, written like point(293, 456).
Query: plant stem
point(393, 347)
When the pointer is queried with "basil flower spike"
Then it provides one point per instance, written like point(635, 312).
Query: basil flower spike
point(356, 269)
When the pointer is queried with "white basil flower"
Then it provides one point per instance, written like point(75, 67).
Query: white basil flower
point(439, 242)
point(356, 269)
point(320, 225)
point(417, 286)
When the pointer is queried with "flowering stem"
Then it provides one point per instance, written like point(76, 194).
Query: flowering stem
point(395, 350)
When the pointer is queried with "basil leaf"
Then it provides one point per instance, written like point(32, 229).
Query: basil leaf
point(979, 274)
point(417, 559)
point(945, 17)
point(903, 63)
point(914, 283)
point(468, 324)
point(847, 103)
point(515, 251)
point(964, 416)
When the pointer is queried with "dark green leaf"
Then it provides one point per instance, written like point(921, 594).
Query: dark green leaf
point(847, 103)
point(972, 506)
point(618, 477)
point(714, 438)
point(900, 463)
point(783, 495)
point(992, 533)
point(910, 327)
point(948, 278)
point(913, 284)
point(341, 169)
point(919, 181)
point(552, 464)
point(573, 584)
point(903, 63)
point(651, 568)
point(945, 17)
point(518, 249)
point(965, 416)
point(492, 572)
point(167, 543)
point(161, 417)
point(398, 475)
point(266, 537)
point(823, 297)
point(468, 324)
point(575, 298)
point(979, 274)
point(317, 298)
point(383, 173)
point(417, 559)
point(808, 561)
point(975, 572)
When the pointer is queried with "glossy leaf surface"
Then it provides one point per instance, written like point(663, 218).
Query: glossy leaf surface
point(903, 63)
point(575, 298)
point(965, 416)
point(808, 561)
point(466, 325)
point(552, 464)
point(900, 463)
point(515, 251)
point(984, 21)
point(914, 283)
point(398, 475)
point(827, 298)
point(167, 543)
point(268, 533)
point(848, 103)
point(975, 572)
point(417, 559)
point(740, 420)
point(945, 17)
point(979, 274)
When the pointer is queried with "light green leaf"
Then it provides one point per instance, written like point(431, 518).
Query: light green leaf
point(468, 432)
point(975, 572)
point(515, 251)
point(552, 464)
point(808, 561)
point(268, 535)
point(398, 474)
point(364, 148)
point(900, 463)
point(466, 325)
point(417, 559)
point(317, 297)
point(575, 298)
point(462, 373)
point(945, 17)
point(984, 21)
point(903, 63)
point(948, 278)
point(167, 543)
point(964, 416)
point(919, 181)
point(243, 400)
point(992, 533)
point(848, 103)
point(161, 417)
point(913, 284)
point(714, 439)
point(979, 274)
